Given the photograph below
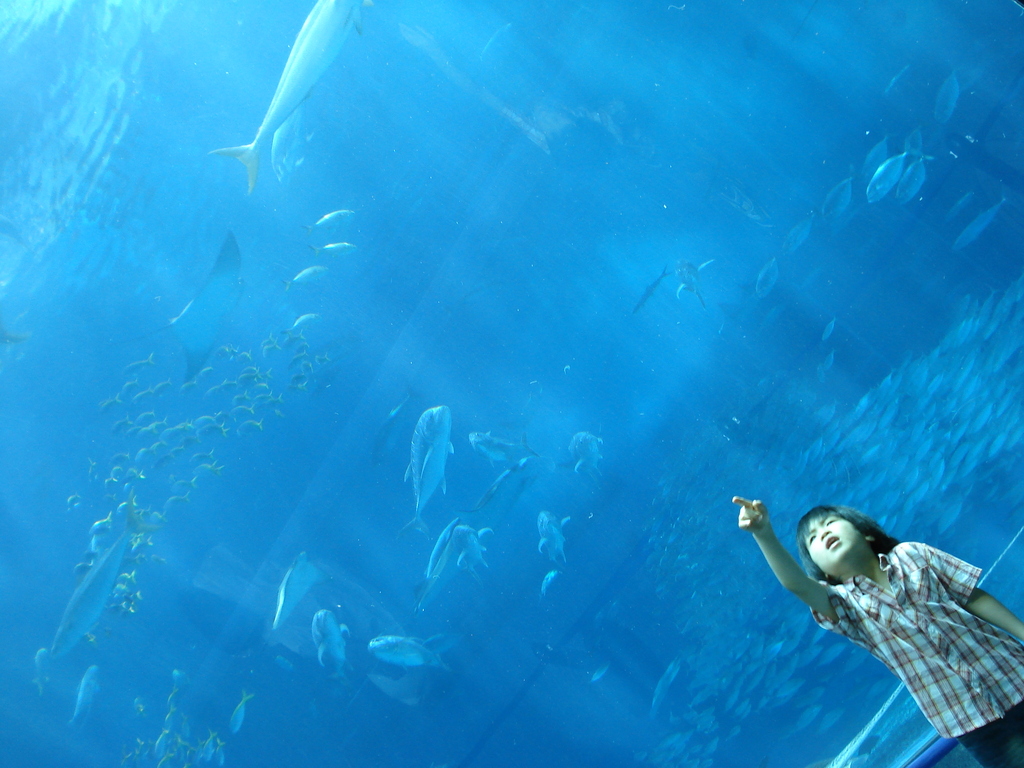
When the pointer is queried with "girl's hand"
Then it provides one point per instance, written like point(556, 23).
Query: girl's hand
point(753, 515)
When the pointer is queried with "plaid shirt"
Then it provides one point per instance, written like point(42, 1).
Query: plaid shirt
point(962, 671)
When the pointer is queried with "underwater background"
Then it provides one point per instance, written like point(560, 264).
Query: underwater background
point(667, 254)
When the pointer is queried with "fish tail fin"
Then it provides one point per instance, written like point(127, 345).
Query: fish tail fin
point(308, 228)
point(527, 448)
point(316, 249)
point(416, 524)
point(248, 155)
point(287, 284)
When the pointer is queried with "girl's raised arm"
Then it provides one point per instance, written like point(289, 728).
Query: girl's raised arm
point(754, 519)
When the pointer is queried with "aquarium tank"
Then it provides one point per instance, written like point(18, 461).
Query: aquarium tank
point(375, 377)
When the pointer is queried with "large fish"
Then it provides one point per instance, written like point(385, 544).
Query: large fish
point(86, 690)
point(586, 451)
point(649, 290)
point(976, 227)
point(406, 651)
point(666, 679)
point(766, 278)
point(431, 444)
point(296, 583)
point(886, 177)
point(689, 279)
point(552, 540)
point(946, 99)
point(797, 235)
point(436, 565)
point(329, 638)
point(838, 199)
point(199, 323)
point(506, 489)
point(911, 182)
point(496, 449)
point(92, 594)
point(318, 43)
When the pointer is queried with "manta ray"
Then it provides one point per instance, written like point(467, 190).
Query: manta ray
point(199, 322)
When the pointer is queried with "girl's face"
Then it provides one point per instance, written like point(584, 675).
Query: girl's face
point(838, 548)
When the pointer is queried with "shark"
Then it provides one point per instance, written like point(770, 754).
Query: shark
point(198, 324)
point(317, 45)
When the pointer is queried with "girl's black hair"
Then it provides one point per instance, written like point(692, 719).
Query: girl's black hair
point(881, 544)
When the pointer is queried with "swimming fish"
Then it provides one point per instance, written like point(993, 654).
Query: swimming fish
point(838, 199)
point(495, 448)
point(549, 577)
point(650, 289)
point(436, 564)
point(689, 278)
point(766, 278)
point(329, 639)
point(661, 689)
point(586, 451)
point(300, 578)
point(302, 320)
point(492, 38)
point(199, 323)
point(86, 690)
point(382, 440)
point(946, 99)
point(42, 663)
point(828, 329)
point(238, 716)
point(797, 235)
point(329, 219)
point(317, 44)
point(959, 205)
point(886, 177)
point(92, 593)
point(405, 651)
point(911, 182)
point(431, 444)
point(599, 672)
point(466, 545)
point(506, 489)
point(6, 337)
point(308, 275)
point(895, 79)
point(875, 157)
point(977, 226)
point(334, 249)
point(552, 541)
point(913, 145)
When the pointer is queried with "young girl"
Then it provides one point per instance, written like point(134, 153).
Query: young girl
point(918, 611)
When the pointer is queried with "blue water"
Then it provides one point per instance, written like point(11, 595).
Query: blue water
point(519, 176)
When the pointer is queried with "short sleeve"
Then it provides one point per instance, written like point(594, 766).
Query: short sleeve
point(840, 598)
point(959, 577)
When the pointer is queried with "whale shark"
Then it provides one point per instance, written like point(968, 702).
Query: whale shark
point(318, 43)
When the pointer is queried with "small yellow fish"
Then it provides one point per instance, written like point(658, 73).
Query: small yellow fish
point(139, 363)
point(250, 426)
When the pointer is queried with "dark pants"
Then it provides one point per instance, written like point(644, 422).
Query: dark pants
point(999, 744)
